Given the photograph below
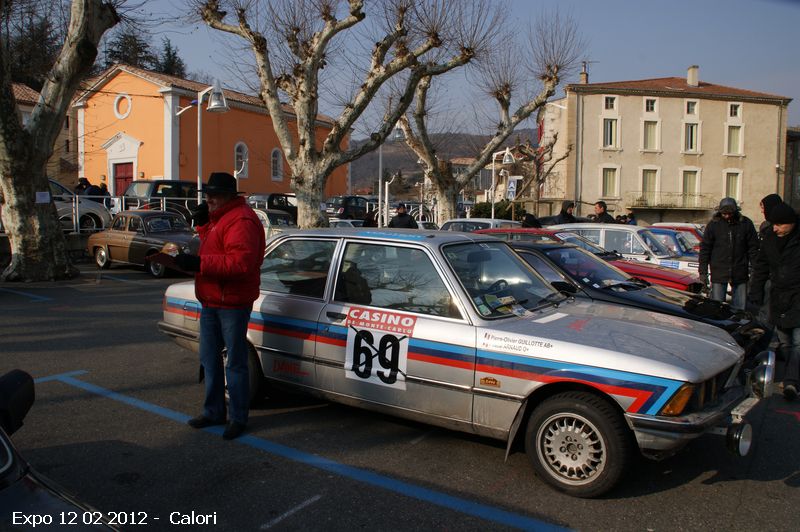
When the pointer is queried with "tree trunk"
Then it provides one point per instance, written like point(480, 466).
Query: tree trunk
point(310, 193)
point(38, 250)
point(447, 202)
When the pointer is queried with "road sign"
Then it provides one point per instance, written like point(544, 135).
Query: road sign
point(511, 192)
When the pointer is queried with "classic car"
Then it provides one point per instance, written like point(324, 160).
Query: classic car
point(468, 225)
point(652, 273)
point(583, 274)
point(136, 235)
point(334, 222)
point(457, 330)
point(24, 492)
point(277, 200)
point(632, 242)
point(274, 221)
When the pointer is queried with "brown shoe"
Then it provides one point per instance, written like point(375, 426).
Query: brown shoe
point(201, 422)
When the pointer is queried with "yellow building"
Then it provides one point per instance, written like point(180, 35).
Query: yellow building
point(128, 128)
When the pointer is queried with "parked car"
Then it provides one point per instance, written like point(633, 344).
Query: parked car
point(274, 221)
point(632, 242)
point(457, 330)
point(23, 490)
point(347, 207)
point(593, 278)
point(161, 194)
point(430, 226)
point(652, 273)
point(693, 232)
point(92, 215)
point(281, 201)
point(136, 235)
point(675, 242)
point(468, 225)
point(345, 223)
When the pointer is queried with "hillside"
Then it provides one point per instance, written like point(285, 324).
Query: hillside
point(397, 156)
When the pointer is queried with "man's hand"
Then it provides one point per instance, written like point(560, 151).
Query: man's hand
point(188, 263)
point(200, 214)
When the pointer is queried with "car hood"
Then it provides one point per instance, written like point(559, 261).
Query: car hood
point(618, 338)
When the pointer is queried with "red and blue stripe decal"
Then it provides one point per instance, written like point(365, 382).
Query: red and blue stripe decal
point(649, 394)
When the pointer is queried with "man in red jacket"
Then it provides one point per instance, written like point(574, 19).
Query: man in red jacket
point(226, 283)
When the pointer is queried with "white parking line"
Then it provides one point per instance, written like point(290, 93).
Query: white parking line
point(294, 510)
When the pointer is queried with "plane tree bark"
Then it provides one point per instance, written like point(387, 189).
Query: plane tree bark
point(553, 47)
point(38, 251)
point(418, 39)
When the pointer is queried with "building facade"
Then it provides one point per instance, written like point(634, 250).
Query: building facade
point(667, 148)
point(129, 128)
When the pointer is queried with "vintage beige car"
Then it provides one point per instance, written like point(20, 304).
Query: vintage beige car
point(457, 330)
point(136, 235)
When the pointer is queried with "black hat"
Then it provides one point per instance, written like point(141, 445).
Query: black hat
point(769, 201)
point(728, 205)
point(401, 206)
point(220, 182)
point(782, 213)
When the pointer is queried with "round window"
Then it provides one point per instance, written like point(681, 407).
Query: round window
point(122, 106)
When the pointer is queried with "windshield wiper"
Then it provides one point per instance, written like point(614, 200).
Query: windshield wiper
point(551, 299)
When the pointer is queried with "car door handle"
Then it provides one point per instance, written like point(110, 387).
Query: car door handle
point(336, 315)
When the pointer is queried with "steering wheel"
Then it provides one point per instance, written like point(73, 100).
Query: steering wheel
point(497, 286)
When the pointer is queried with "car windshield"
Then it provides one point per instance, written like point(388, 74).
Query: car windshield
point(572, 238)
point(653, 243)
point(338, 201)
point(279, 219)
point(164, 224)
point(499, 283)
point(691, 240)
point(138, 190)
point(587, 269)
point(674, 242)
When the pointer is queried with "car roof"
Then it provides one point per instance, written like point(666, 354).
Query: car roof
point(427, 237)
point(541, 244)
point(531, 230)
point(147, 213)
point(480, 220)
point(623, 227)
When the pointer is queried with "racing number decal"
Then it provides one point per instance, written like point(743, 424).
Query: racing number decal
point(377, 346)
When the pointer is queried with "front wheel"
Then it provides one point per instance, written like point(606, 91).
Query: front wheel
point(578, 443)
point(156, 269)
point(101, 258)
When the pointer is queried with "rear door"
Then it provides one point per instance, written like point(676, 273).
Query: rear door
point(394, 334)
point(283, 326)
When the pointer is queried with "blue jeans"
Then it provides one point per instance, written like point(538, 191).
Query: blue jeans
point(225, 328)
point(789, 340)
point(719, 291)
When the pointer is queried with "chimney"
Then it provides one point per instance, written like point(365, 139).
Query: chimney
point(584, 75)
point(691, 76)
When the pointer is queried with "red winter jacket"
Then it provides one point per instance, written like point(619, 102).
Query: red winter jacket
point(231, 251)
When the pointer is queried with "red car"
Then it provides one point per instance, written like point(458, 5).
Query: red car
point(652, 273)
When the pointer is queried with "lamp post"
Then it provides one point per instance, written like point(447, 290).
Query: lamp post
point(380, 185)
point(508, 158)
point(216, 104)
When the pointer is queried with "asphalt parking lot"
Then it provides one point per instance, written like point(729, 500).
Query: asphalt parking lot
point(113, 396)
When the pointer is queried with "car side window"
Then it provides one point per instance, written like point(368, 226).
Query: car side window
point(618, 241)
point(135, 225)
point(542, 267)
point(393, 277)
point(592, 235)
point(298, 267)
point(119, 223)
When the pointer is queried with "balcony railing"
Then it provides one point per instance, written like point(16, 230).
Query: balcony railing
point(639, 199)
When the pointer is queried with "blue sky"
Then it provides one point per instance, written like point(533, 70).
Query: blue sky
point(748, 44)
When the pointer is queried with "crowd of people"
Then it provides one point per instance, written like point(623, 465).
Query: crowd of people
point(98, 193)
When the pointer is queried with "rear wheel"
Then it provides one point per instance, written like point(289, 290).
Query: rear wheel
point(87, 222)
point(101, 258)
point(578, 443)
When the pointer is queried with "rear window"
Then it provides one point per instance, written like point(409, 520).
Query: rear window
point(138, 190)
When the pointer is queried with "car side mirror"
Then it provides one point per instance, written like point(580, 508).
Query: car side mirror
point(563, 286)
point(16, 398)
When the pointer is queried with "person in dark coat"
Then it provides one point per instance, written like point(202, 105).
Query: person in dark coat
point(729, 247)
point(601, 210)
point(779, 262)
point(403, 220)
point(531, 221)
point(81, 187)
point(566, 216)
point(766, 204)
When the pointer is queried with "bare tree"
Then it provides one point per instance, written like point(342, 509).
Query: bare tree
point(553, 47)
point(538, 164)
point(37, 244)
point(296, 42)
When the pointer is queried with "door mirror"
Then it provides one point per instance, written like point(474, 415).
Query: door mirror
point(16, 398)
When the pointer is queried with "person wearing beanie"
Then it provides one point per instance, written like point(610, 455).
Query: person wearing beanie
point(778, 261)
point(730, 244)
point(566, 216)
point(403, 220)
point(766, 204)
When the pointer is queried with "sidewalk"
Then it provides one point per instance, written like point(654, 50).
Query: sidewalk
point(76, 246)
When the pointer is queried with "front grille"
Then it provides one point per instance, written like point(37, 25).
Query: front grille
point(708, 392)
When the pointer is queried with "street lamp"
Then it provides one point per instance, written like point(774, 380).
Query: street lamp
point(216, 104)
point(508, 158)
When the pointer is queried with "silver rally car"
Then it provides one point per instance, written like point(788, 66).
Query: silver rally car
point(456, 330)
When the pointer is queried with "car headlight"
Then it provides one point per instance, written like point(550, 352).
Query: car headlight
point(762, 375)
point(678, 402)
